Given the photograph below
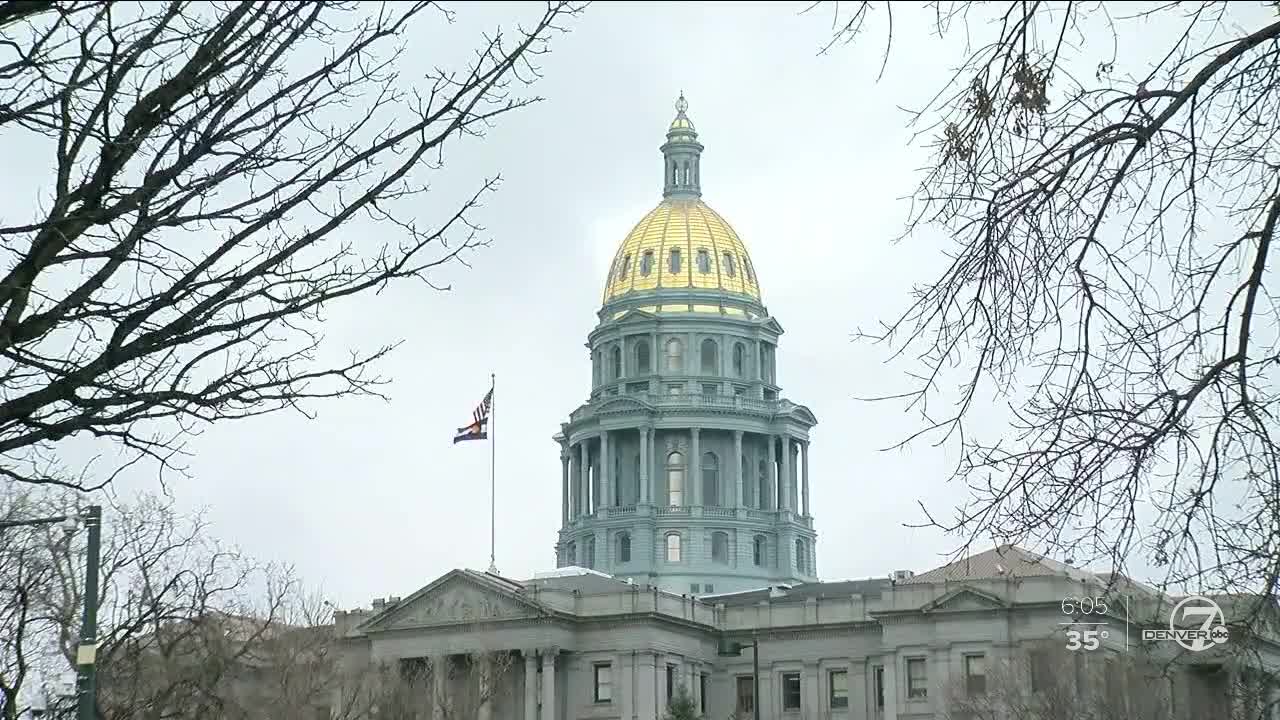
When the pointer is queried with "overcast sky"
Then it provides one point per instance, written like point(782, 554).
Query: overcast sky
point(807, 156)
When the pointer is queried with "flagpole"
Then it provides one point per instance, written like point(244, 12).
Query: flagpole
point(493, 485)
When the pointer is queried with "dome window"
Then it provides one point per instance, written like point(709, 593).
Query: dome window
point(646, 263)
point(675, 479)
point(674, 263)
point(642, 358)
point(675, 355)
point(624, 547)
point(704, 261)
point(710, 357)
point(720, 547)
point(729, 268)
point(746, 265)
point(673, 547)
point(739, 359)
point(626, 267)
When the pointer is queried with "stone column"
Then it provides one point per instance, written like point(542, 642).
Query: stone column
point(738, 499)
point(859, 680)
point(584, 480)
point(549, 711)
point(773, 473)
point(695, 471)
point(485, 692)
point(646, 491)
point(606, 477)
point(530, 684)
point(809, 691)
point(784, 490)
point(804, 474)
point(564, 487)
point(890, 687)
point(438, 676)
point(646, 707)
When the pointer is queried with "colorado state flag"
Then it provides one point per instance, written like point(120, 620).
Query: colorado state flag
point(479, 418)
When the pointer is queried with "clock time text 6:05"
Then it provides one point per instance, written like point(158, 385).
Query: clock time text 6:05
point(1084, 605)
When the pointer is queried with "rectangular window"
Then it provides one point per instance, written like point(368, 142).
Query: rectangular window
point(694, 588)
point(704, 682)
point(790, 691)
point(839, 689)
point(746, 694)
point(671, 682)
point(1041, 671)
point(708, 588)
point(604, 683)
point(917, 679)
point(975, 674)
point(878, 674)
point(674, 266)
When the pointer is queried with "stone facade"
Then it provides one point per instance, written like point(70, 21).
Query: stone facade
point(878, 649)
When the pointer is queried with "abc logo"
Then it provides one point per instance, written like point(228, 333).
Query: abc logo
point(1218, 635)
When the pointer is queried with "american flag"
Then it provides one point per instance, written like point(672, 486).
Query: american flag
point(479, 417)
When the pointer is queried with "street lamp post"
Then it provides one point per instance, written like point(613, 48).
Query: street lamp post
point(734, 649)
point(86, 652)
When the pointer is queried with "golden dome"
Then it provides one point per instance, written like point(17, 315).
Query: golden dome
point(683, 244)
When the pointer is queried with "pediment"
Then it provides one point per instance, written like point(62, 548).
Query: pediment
point(635, 316)
point(964, 599)
point(802, 414)
point(454, 599)
point(621, 403)
point(772, 325)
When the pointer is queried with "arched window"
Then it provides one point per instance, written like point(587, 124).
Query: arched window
point(739, 360)
point(675, 479)
point(729, 268)
point(615, 362)
point(709, 359)
point(710, 479)
point(626, 267)
point(684, 172)
point(800, 560)
point(591, 552)
point(675, 355)
point(624, 547)
point(675, 173)
point(673, 264)
point(720, 547)
point(646, 263)
point(758, 550)
point(571, 553)
point(673, 547)
point(642, 357)
point(704, 261)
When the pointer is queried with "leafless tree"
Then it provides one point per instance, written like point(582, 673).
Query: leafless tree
point(218, 175)
point(1107, 173)
point(408, 690)
point(1043, 681)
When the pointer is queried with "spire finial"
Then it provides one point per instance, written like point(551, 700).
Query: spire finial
point(682, 104)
